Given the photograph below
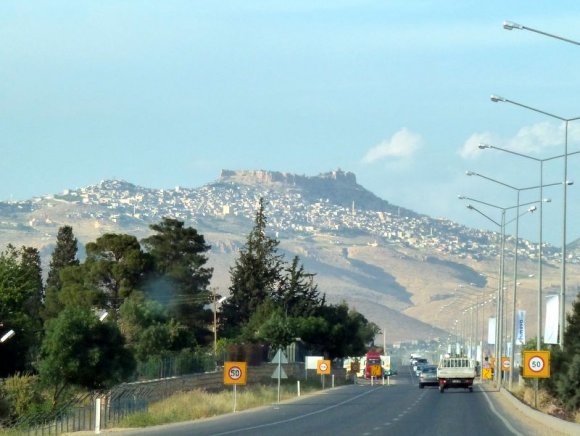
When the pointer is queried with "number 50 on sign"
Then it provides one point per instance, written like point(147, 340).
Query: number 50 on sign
point(536, 364)
point(235, 373)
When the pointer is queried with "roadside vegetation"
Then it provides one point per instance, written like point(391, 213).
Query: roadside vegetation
point(559, 395)
point(198, 404)
point(134, 310)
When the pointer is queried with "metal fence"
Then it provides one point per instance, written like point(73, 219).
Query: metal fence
point(107, 409)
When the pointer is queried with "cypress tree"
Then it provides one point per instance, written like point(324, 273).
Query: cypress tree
point(255, 277)
point(181, 278)
point(64, 255)
point(568, 368)
point(299, 296)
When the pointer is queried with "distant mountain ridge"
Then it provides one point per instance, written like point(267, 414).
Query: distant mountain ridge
point(392, 264)
point(338, 186)
point(332, 203)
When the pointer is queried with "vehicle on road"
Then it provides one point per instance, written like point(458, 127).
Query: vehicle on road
point(419, 364)
point(428, 376)
point(456, 372)
point(373, 365)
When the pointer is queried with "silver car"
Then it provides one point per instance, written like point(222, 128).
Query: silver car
point(428, 376)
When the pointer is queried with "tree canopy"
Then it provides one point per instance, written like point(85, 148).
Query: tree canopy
point(80, 350)
point(180, 277)
point(64, 255)
point(274, 302)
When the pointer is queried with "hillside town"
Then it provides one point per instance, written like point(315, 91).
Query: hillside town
point(289, 215)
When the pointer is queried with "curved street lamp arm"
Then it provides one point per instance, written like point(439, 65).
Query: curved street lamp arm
point(497, 98)
point(510, 25)
point(469, 206)
point(461, 197)
point(484, 146)
point(540, 186)
point(471, 173)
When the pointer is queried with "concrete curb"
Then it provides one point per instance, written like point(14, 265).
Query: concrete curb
point(547, 420)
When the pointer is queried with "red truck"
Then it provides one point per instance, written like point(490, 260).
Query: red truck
point(373, 366)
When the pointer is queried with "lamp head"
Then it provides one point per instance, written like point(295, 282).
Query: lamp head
point(484, 146)
point(547, 200)
point(510, 25)
point(469, 173)
point(7, 335)
point(461, 197)
point(569, 182)
point(469, 206)
point(496, 98)
point(532, 209)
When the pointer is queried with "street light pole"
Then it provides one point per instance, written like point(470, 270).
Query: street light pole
point(541, 212)
point(501, 288)
point(513, 326)
point(562, 315)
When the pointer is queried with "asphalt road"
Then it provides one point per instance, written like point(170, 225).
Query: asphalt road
point(401, 408)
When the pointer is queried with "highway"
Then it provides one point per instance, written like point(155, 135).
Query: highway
point(399, 409)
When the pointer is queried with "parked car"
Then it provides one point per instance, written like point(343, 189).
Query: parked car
point(428, 376)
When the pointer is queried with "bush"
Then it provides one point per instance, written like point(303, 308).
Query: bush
point(22, 397)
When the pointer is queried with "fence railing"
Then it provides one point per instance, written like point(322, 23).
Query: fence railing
point(80, 414)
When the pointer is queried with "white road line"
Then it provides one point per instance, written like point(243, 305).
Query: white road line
point(504, 420)
point(296, 418)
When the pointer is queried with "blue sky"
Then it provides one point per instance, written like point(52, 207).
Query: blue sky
point(167, 93)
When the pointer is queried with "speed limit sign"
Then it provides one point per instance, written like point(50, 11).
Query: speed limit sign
point(323, 367)
point(536, 364)
point(235, 373)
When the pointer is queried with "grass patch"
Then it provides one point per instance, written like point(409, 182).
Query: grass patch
point(196, 404)
point(546, 403)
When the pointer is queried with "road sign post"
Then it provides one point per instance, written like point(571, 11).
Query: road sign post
point(235, 374)
point(323, 368)
point(506, 363)
point(536, 364)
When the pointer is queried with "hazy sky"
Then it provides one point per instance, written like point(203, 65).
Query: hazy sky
point(167, 93)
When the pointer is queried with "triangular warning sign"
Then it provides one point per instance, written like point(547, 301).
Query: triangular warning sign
point(280, 355)
point(279, 371)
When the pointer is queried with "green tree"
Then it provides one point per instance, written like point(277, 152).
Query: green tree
point(79, 350)
point(20, 300)
point(64, 255)
point(566, 364)
point(181, 277)
point(116, 265)
point(256, 277)
point(338, 331)
point(299, 296)
point(269, 324)
point(148, 329)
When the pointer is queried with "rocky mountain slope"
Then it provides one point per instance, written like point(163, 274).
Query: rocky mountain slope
point(411, 274)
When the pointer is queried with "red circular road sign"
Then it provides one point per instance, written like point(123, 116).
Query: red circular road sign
point(536, 364)
point(235, 372)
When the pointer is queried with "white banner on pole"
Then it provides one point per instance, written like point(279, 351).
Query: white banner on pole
point(491, 331)
point(521, 328)
point(552, 320)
